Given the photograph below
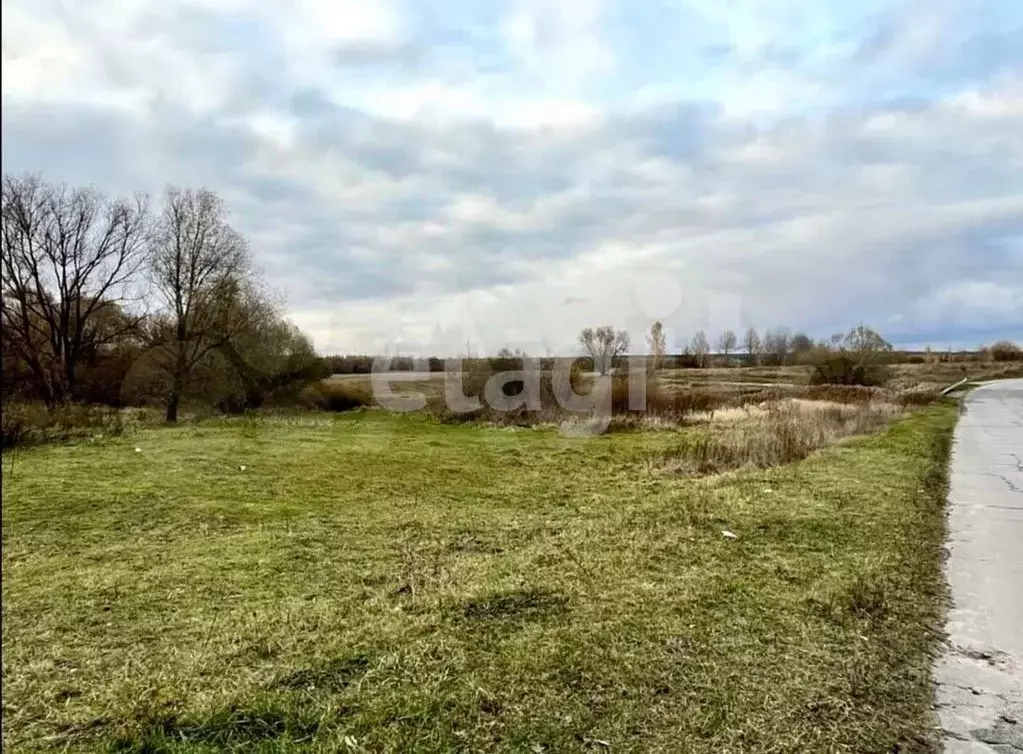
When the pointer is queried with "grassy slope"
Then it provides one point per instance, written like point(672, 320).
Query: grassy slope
point(452, 588)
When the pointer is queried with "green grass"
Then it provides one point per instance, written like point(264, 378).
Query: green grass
point(381, 583)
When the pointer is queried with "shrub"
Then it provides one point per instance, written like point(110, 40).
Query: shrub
point(12, 431)
point(680, 361)
point(1005, 350)
point(336, 395)
point(29, 423)
point(351, 364)
point(239, 403)
point(845, 370)
point(505, 363)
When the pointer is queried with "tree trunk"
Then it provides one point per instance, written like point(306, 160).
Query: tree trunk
point(174, 401)
point(42, 382)
point(177, 385)
point(69, 379)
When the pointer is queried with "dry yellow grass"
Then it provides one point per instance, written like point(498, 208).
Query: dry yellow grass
point(773, 434)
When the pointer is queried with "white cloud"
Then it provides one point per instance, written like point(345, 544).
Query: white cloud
point(394, 183)
point(349, 23)
point(39, 57)
point(108, 54)
point(978, 298)
point(558, 42)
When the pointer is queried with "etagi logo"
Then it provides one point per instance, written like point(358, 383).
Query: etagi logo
point(655, 295)
point(531, 388)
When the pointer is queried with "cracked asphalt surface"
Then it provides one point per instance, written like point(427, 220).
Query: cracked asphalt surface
point(980, 675)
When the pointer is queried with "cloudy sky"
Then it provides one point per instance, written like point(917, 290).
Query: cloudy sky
point(421, 173)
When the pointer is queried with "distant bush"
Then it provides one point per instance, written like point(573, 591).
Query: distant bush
point(680, 361)
point(843, 369)
point(505, 363)
point(363, 364)
point(902, 358)
point(336, 395)
point(1005, 350)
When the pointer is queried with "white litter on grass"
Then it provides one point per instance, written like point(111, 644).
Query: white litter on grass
point(138, 450)
point(729, 535)
point(242, 468)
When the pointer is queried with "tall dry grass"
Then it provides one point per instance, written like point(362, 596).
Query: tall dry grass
point(32, 423)
point(619, 401)
point(663, 404)
point(775, 434)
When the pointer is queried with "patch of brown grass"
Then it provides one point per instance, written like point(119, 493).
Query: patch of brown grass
point(657, 402)
point(914, 376)
point(775, 434)
point(665, 404)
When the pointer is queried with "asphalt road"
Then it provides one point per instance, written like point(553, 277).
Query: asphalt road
point(980, 675)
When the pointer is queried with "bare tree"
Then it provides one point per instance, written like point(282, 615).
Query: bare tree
point(200, 268)
point(604, 345)
point(701, 347)
point(658, 345)
point(751, 342)
point(727, 342)
point(68, 258)
point(865, 344)
point(777, 345)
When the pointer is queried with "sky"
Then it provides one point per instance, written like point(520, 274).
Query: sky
point(417, 175)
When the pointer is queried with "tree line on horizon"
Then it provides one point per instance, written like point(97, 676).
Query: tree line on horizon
point(776, 347)
point(606, 346)
point(120, 301)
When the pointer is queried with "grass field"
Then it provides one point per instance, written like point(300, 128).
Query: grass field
point(745, 379)
point(904, 376)
point(371, 582)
